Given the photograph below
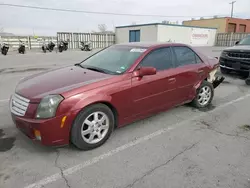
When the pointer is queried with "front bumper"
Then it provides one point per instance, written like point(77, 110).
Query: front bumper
point(50, 130)
point(235, 64)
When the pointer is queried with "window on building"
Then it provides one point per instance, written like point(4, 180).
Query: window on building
point(231, 28)
point(134, 35)
point(242, 28)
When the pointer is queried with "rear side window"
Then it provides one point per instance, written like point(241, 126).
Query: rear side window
point(185, 56)
point(198, 59)
point(160, 59)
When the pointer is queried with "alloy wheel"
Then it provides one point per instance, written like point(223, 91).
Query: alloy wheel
point(95, 127)
point(204, 95)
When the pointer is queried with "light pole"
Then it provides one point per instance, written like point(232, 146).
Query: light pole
point(232, 9)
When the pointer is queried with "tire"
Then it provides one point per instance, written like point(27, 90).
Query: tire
point(247, 81)
point(44, 50)
point(204, 86)
point(60, 50)
point(83, 142)
point(224, 71)
point(4, 52)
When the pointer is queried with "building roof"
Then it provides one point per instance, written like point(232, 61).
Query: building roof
point(175, 25)
point(215, 18)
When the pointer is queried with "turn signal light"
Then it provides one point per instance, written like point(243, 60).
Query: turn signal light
point(37, 134)
point(63, 121)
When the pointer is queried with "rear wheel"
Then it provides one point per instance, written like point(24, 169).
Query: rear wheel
point(204, 95)
point(92, 127)
point(60, 49)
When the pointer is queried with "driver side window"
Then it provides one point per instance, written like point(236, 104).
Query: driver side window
point(159, 59)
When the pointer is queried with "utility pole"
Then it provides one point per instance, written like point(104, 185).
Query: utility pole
point(232, 9)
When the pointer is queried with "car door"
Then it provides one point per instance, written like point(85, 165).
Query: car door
point(155, 91)
point(189, 71)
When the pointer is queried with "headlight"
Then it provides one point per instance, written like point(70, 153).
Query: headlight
point(48, 106)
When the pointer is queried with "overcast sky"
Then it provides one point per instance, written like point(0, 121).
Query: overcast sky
point(24, 21)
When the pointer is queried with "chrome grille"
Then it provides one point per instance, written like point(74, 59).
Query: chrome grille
point(19, 105)
point(240, 55)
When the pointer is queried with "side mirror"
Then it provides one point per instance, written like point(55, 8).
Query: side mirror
point(144, 71)
point(237, 42)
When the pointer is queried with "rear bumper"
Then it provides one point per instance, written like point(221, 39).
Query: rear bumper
point(52, 133)
point(215, 78)
point(218, 80)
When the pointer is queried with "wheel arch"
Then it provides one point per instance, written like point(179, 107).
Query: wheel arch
point(108, 104)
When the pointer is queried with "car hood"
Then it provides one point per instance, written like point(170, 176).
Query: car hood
point(239, 48)
point(57, 81)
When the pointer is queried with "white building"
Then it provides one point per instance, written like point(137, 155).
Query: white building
point(160, 32)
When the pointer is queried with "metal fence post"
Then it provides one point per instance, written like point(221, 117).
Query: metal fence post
point(29, 43)
point(106, 40)
point(231, 38)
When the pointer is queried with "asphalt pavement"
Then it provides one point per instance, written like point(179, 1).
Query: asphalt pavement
point(181, 148)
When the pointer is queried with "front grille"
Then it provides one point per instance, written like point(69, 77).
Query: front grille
point(240, 55)
point(19, 105)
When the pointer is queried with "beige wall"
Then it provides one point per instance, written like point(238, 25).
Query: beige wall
point(182, 34)
point(148, 33)
point(219, 23)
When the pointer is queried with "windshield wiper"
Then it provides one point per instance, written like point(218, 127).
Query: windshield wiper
point(95, 69)
point(92, 68)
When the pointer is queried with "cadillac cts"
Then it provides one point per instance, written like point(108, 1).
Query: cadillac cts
point(83, 103)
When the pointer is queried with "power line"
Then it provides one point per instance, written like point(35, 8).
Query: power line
point(93, 12)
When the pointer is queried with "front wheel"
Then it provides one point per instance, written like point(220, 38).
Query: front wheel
point(204, 95)
point(92, 127)
point(4, 51)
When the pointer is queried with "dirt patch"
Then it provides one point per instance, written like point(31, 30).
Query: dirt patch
point(6, 143)
point(245, 127)
point(205, 123)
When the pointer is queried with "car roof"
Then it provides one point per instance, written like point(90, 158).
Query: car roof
point(149, 44)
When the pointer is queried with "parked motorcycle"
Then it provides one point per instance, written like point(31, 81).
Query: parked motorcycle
point(4, 48)
point(63, 46)
point(21, 48)
point(50, 47)
point(85, 46)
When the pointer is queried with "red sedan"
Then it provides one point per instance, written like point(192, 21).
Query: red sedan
point(123, 83)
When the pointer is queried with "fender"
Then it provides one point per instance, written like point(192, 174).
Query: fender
point(91, 100)
point(213, 78)
point(196, 86)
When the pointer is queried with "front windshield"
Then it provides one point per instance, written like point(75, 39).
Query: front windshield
point(245, 41)
point(115, 59)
